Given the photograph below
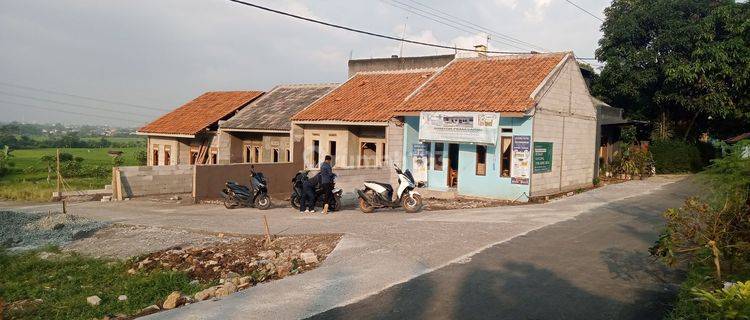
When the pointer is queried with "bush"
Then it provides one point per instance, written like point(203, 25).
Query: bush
point(676, 157)
point(730, 302)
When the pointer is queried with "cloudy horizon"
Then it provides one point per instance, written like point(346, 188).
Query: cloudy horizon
point(157, 55)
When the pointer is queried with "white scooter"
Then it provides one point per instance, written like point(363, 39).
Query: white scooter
point(380, 195)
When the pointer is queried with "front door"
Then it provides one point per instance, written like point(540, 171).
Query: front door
point(452, 165)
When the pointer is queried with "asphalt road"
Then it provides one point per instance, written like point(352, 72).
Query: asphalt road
point(595, 266)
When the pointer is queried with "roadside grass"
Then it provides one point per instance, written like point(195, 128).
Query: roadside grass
point(41, 190)
point(27, 180)
point(700, 276)
point(64, 280)
point(685, 306)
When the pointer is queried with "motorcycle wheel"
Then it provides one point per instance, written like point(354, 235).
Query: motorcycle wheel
point(412, 203)
point(230, 203)
point(295, 201)
point(337, 203)
point(263, 202)
point(364, 206)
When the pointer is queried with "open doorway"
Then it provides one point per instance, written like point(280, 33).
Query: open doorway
point(452, 165)
point(368, 154)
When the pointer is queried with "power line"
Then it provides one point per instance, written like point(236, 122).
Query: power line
point(72, 104)
point(481, 28)
point(80, 97)
point(403, 7)
point(67, 111)
point(367, 32)
point(584, 10)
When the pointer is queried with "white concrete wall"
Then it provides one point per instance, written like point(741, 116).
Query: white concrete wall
point(566, 117)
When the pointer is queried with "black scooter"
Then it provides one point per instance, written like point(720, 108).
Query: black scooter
point(300, 178)
point(236, 195)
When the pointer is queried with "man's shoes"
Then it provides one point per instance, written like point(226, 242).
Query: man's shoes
point(325, 209)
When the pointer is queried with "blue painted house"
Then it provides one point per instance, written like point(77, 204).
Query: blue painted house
point(506, 127)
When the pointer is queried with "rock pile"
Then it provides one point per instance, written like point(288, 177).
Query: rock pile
point(30, 230)
point(227, 261)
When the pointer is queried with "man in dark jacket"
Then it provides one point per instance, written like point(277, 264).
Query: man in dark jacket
point(326, 182)
point(307, 201)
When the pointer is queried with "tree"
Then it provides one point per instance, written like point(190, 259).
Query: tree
point(683, 62)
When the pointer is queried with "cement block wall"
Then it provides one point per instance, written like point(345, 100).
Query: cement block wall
point(140, 181)
point(394, 136)
point(566, 116)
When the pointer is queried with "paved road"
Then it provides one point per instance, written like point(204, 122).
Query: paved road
point(385, 249)
point(592, 267)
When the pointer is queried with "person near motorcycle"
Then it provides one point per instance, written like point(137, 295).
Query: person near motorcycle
point(307, 201)
point(326, 181)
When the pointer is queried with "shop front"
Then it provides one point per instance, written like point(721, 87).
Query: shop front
point(474, 153)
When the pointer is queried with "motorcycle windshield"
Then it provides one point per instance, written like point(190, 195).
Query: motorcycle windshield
point(408, 175)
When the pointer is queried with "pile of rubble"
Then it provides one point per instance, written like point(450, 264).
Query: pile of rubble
point(20, 230)
point(241, 264)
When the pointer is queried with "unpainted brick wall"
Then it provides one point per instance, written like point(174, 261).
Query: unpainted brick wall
point(140, 181)
point(566, 110)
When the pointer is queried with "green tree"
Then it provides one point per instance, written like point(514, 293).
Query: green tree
point(686, 61)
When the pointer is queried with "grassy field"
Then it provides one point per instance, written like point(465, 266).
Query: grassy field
point(28, 179)
point(64, 281)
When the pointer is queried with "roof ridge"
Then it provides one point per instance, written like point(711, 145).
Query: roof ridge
point(313, 85)
point(518, 56)
point(232, 91)
point(400, 71)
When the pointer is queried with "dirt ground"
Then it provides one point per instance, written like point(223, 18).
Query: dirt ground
point(247, 256)
point(125, 241)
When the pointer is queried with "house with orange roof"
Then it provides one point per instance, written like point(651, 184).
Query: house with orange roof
point(189, 134)
point(506, 127)
point(352, 123)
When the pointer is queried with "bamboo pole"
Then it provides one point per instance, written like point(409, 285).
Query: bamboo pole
point(59, 180)
point(268, 231)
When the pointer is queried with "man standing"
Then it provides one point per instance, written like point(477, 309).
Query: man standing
point(326, 181)
point(307, 201)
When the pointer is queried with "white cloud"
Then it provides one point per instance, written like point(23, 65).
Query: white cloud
point(507, 3)
point(536, 12)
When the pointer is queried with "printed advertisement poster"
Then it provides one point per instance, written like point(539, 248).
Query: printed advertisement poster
point(419, 158)
point(520, 168)
point(542, 157)
point(462, 127)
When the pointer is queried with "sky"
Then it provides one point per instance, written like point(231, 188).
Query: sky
point(153, 56)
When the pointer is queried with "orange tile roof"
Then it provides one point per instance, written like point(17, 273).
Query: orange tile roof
point(370, 96)
point(202, 112)
point(494, 84)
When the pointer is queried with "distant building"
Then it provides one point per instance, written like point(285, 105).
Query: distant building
point(506, 127)
point(188, 134)
point(260, 133)
point(352, 122)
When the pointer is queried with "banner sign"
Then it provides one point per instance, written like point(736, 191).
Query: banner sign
point(419, 158)
point(542, 157)
point(520, 168)
point(462, 127)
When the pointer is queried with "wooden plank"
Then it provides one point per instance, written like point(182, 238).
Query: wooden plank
point(118, 184)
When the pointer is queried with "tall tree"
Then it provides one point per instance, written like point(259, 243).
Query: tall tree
point(677, 61)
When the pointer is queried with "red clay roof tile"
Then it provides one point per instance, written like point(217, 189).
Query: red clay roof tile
point(494, 84)
point(365, 97)
point(202, 112)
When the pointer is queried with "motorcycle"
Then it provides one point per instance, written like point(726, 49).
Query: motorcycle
point(300, 178)
point(380, 195)
point(237, 195)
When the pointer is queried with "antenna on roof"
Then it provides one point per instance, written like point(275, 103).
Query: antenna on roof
point(403, 35)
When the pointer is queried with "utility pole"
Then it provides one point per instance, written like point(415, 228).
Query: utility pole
point(59, 177)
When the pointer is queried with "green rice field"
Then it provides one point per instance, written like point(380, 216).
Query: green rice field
point(27, 180)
